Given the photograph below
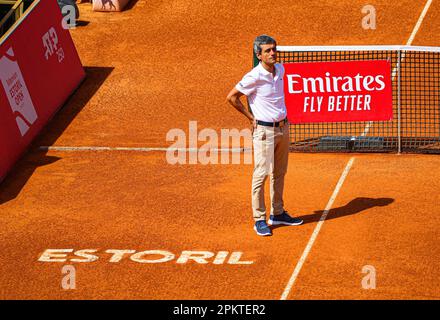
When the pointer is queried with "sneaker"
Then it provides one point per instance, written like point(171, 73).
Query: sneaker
point(262, 228)
point(285, 219)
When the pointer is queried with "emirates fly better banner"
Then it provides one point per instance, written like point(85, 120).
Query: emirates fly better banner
point(338, 91)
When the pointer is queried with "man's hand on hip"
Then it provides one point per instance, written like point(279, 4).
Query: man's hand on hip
point(253, 123)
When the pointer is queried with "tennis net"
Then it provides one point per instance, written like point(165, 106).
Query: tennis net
point(415, 127)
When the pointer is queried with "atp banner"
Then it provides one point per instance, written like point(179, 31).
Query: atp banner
point(39, 70)
point(338, 91)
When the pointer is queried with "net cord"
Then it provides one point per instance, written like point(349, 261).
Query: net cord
point(357, 48)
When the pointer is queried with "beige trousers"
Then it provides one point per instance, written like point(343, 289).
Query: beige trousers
point(271, 155)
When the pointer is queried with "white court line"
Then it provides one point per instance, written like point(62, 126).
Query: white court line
point(140, 149)
point(408, 43)
point(341, 180)
point(316, 231)
point(419, 22)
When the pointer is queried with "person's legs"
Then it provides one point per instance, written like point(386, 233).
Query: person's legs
point(261, 146)
point(281, 158)
point(281, 155)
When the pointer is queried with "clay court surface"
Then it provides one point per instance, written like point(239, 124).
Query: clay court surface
point(155, 67)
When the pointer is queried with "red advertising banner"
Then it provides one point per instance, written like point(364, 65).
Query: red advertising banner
point(338, 91)
point(39, 70)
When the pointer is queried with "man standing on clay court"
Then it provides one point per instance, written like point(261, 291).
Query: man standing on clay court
point(263, 86)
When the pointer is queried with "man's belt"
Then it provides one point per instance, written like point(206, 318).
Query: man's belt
point(272, 124)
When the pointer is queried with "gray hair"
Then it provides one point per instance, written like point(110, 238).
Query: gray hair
point(262, 39)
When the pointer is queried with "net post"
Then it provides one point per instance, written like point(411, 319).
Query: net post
point(399, 136)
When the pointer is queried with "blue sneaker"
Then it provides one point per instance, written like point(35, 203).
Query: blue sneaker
point(262, 228)
point(285, 219)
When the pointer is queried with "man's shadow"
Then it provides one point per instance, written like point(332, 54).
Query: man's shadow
point(33, 158)
point(353, 207)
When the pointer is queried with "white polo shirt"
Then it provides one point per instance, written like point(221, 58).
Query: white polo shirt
point(265, 93)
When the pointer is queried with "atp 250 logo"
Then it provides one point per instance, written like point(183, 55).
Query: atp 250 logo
point(52, 45)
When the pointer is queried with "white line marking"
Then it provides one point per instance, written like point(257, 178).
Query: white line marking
point(408, 43)
point(366, 129)
point(316, 231)
point(140, 149)
point(419, 22)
